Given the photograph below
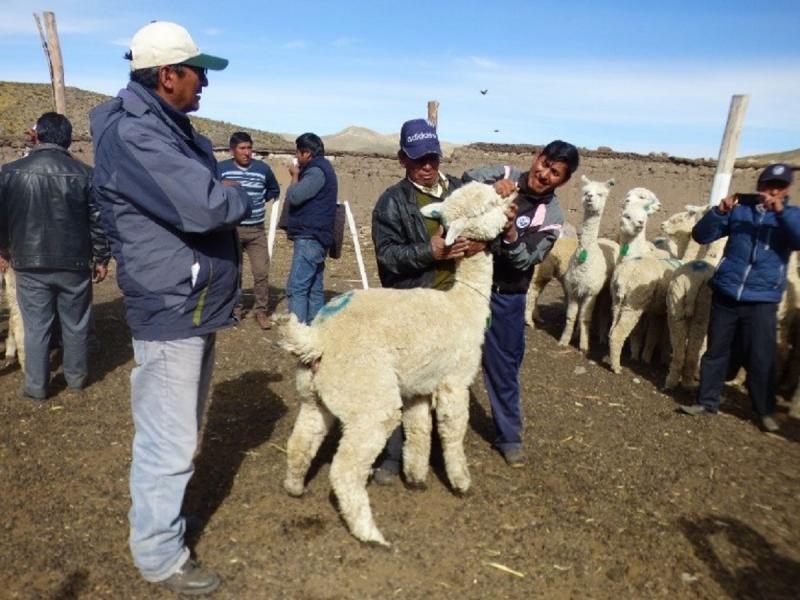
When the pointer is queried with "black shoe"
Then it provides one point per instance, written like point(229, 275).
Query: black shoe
point(769, 424)
point(192, 579)
point(192, 525)
point(695, 409)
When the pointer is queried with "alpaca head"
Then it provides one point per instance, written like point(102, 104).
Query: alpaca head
point(642, 197)
point(474, 211)
point(682, 223)
point(595, 194)
point(633, 220)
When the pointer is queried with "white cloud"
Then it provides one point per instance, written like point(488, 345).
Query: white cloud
point(213, 31)
point(345, 41)
point(295, 45)
point(484, 63)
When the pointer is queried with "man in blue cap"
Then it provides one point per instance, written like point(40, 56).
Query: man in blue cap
point(410, 248)
point(747, 288)
point(172, 226)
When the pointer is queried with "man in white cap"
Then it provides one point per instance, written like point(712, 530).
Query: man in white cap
point(172, 227)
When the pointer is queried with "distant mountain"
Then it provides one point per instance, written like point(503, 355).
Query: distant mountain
point(361, 140)
point(22, 103)
point(791, 157)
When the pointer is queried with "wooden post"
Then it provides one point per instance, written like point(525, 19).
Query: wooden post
point(52, 52)
point(351, 223)
point(433, 112)
point(727, 150)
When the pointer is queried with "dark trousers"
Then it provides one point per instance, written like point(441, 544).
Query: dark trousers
point(503, 350)
point(43, 294)
point(748, 328)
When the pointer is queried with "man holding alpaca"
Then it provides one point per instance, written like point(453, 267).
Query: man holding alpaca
point(410, 248)
point(525, 242)
point(747, 288)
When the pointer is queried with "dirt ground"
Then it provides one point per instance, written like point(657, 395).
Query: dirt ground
point(622, 496)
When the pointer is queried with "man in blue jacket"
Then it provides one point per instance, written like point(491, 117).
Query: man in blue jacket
point(747, 288)
point(172, 226)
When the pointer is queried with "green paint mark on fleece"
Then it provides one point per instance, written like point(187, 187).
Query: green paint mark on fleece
point(336, 305)
point(623, 251)
point(582, 256)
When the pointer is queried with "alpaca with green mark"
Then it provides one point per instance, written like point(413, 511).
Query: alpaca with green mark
point(589, 266)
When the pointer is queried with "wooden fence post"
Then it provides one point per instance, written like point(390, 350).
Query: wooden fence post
point(727, 150)
point(52, 52)
point(433, 112)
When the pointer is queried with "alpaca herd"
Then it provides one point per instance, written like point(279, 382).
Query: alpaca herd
point(659, 297)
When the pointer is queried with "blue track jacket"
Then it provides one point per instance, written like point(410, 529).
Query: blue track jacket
point(753, 267)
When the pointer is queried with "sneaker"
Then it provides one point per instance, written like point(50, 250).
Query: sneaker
point(769, 424)
point(695, 409)
point(515, 457)
point(384, 476)
point(263, 320)
point(238, 313)
point(192, 579)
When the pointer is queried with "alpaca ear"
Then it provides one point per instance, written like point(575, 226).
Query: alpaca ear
point(693, 209)
point(454, 230)
point(653, 205)
point(610, 182)
point(432, 210)
point(585, 179)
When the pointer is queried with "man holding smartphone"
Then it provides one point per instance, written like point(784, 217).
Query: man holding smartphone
point(747, 288)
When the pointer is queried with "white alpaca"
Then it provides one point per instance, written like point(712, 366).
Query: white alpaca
point(554, 266)
point(15, 341)
point(638, 285)
point(372, 357)
point(589, 267)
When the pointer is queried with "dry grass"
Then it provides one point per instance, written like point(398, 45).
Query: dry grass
point(22, 103)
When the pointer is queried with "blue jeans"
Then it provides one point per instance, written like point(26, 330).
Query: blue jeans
point(503, 350)
point(169, 386)
point(41, 294)
point(304, 287)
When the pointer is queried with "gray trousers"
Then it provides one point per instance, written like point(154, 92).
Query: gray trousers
point(41, 294)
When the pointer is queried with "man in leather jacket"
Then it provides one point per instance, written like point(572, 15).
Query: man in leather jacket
point(409, 248)
point(50, 228)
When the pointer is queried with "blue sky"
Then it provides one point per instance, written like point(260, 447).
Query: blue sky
point(637, 76)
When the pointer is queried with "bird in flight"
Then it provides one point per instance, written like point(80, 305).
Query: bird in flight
point(497, 131)
point(484, 92)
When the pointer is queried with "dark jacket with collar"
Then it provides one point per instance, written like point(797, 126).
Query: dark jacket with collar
point(402, 244)
point(314, 218)
point(753, 267)
point(171, 222)
point(47, 217)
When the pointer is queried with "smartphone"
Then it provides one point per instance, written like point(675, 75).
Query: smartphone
point(749, 199)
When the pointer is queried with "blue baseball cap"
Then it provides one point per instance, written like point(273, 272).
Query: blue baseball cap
point(777, 172)
point(418, 137)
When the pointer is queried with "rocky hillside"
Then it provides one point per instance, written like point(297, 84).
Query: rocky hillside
point(22, 103)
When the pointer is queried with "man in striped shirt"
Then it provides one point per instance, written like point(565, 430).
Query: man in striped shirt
point(258, 180)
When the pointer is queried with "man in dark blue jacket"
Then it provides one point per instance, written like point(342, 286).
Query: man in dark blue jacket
point(312, 211)
point(747, 288)
point(171, 223)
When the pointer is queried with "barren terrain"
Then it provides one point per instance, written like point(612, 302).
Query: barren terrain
point(622, 496)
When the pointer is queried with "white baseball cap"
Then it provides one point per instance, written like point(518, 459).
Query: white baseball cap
point(163, 43)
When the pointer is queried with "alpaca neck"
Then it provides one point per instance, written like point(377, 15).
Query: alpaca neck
point(591, 226)
point(475, 272)
point(692, 250)
point(711, 253)
point(630, 246)
point(679, 243)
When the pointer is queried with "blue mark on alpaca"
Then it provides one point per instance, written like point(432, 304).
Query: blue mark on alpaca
point(333, 307)
point(699, 265)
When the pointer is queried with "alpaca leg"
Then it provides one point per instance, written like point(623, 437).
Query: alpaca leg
point(584, 321)
point(651, 338)
point(628, 318)
point(452, 416)
point(531, 308)
point(636, 340)
point(417, 448)
point(313, 422)
point(361, 443)
point(794, 407)
point(678, 332)
point(569, 326)
point(694, 351)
